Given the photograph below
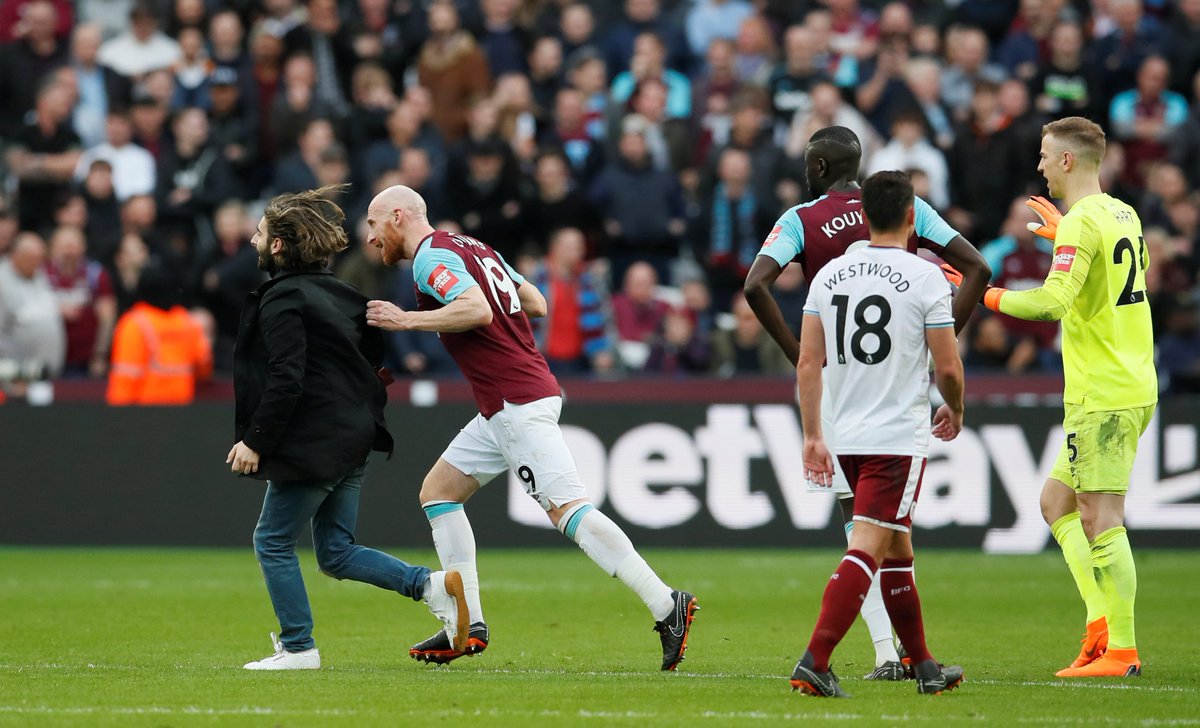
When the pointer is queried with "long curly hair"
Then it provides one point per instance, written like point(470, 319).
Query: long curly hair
point(310, 225)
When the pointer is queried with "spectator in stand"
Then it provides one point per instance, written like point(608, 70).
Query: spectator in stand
point(545, 74)
point(27, 61)
point(1179, 346)
point(132, 256)
point(669, 140)
point(792, 81)
point(637, 314)
point(984, 165)
point(405, 133)
point(266, 74)
point(1019, 261)
point(103, 226)
point(416, 171)
point(757, 52)
point(828, 109)
point(133, 169)
point(569, 132)
point(1165, 186)
point(708, 20)
point(100, 87)
point(14, 19)
point(363, 267)
point(332, 51)
point(488, 201)
point(751, 132)
point(573, 335)
point(31, 326)
point(192, 71)
point(641, 206)
point(885, 92)
point(1066, 83)
point(1184, 143)
point(453, 68)
point(713, 93)
point(697, 304)
point(923, 76)
point(727, 230)
point(504, 43)
point(148, 117)
point(298, 170)
point(193, 177)
point(8, 227)
point(374, 98)
point(160, 351)
point(556, 204)
point(298, 105)
point(989, 347)
point(641, 17)
point(587, 75)
point(517, 120)
point(842, 68)
point(679, 348)
point(967, 50)
point(1184, 43)
point(577, 28)
point(1025, 126)
point(143, 48)
point(1021, 51)
point(649, 62)
point(44, 154)
point(855, 32)
point(227, 39)
point(233, 128)
point(1143, 118)
point(910, 149)
point(85, 301)
point(227, 273)
point(1119, 54)
point(747, 349)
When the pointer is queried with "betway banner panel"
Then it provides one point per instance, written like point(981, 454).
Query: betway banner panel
point(720, 474)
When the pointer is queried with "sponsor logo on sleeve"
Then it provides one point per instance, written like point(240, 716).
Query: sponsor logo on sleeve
point(442, 280)
point(772, 236)
point(1063, 258)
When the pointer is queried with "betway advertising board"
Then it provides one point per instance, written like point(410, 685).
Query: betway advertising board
point(673, 474)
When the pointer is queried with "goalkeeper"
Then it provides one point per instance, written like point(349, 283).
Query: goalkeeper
point(1097, 286)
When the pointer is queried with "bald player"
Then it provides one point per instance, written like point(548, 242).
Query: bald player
point(814, 233)
point(478, 305)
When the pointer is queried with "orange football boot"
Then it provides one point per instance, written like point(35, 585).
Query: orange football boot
point(1095, 642)
point(1114, 663)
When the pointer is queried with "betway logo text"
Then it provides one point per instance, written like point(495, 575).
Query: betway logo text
point(659, 476)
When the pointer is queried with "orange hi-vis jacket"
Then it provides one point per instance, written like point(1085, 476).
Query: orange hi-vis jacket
point(157, 356)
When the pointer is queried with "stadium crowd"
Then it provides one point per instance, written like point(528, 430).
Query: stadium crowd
point(629, 157)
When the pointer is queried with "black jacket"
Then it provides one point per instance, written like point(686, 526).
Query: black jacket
point(305, 375)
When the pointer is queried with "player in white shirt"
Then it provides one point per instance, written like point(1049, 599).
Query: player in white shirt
point(873, 318)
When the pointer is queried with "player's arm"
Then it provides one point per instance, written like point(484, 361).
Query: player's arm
point(781, 246)
point(763, 273)
point(976, 273)
point(1073, 254)
point(818, 463)
point(469, 310)
point(533, 303)
point(948, 375)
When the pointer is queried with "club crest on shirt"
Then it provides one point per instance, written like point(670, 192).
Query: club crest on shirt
point(772, 236)
point(442, 280)
point(1063, 258)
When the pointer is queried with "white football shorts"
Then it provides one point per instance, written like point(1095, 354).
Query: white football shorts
point(526, 439)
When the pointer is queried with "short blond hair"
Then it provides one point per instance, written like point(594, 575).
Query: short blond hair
point(1082, 137)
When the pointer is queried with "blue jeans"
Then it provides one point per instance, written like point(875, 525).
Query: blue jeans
point(332, 507)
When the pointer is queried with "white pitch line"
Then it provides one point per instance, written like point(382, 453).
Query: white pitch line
point(1086, 685)
point(160, 710)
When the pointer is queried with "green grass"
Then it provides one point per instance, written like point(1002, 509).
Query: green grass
point(157, 637)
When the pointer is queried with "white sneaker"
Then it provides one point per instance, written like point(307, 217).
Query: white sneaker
point(448, 602)
point(284, 660)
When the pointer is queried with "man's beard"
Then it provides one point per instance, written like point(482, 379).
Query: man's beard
point(266, 262)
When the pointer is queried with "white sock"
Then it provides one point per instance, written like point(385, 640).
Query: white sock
point(606, 544)
point(455, 544)
point(874, 613)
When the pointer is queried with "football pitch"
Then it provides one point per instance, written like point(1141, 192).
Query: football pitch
point(158, 637)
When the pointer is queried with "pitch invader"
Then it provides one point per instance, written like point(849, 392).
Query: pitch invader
point(478, 305)
point(816, 232)
point(876, 315)
point(1097, 287)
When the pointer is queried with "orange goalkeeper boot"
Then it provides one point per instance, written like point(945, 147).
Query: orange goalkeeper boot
point(1114, 663)
point(1095, 642)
